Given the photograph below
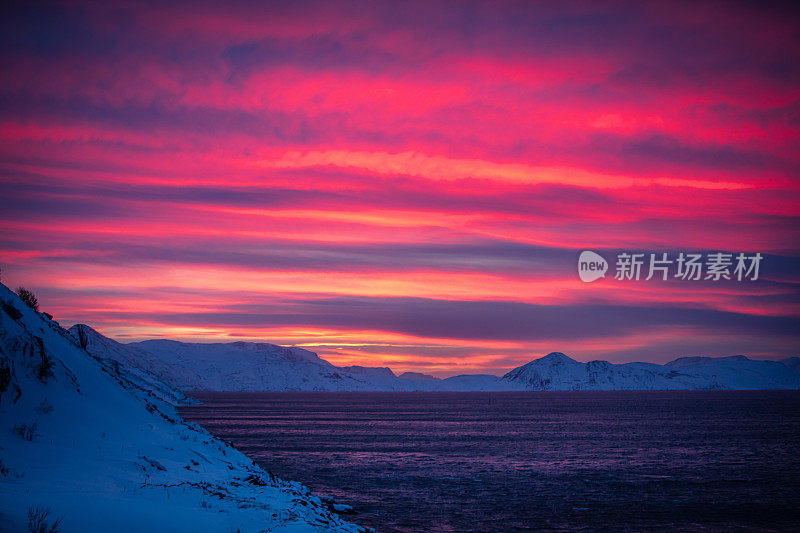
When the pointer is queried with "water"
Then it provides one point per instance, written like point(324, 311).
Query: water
point(571, 461)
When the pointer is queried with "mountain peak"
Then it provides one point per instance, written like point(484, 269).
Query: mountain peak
point(555, 358)
point(88, 330)
point(385, 372)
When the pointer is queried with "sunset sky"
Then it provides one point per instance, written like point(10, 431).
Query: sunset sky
point(404, 184)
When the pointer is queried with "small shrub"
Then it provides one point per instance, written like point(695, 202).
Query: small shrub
point(83, 338)
point(25, 431)
point(5, 377)
point(5, 471)
point(28, 297)
point(11, 311)
point(38, 521)
point(44, 407)
point(44, 369)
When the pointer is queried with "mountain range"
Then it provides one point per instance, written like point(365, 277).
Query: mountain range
point(247, 366)
point(90, 433)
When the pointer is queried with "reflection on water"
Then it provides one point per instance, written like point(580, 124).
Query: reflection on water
point(530, 461)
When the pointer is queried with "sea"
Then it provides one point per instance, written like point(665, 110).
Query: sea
point(529, 461)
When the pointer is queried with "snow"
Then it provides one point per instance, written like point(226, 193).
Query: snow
point(382, 372)
point(129, 365)
point(557, 371)
point(242, 366)
point(109, 452)
point(739, 372)
point(417, 375)
point(792, 362)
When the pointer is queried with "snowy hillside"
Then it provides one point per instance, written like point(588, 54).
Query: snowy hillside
point(84, 440)
point(129, 364)
point(556, 371)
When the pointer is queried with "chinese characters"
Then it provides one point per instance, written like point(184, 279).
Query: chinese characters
point(688, 266)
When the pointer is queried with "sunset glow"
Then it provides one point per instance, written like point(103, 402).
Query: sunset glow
point(405, 185)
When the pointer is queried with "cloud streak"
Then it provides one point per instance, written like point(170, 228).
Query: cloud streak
point(403, 184)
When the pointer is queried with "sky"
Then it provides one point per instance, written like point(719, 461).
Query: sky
point(405, 184)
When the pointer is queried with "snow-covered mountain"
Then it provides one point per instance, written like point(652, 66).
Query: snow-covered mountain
point(87, 440)
point(739, 372)
point(243, 366)
point(556, 371)
point(417, 375)
point(379, 372)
